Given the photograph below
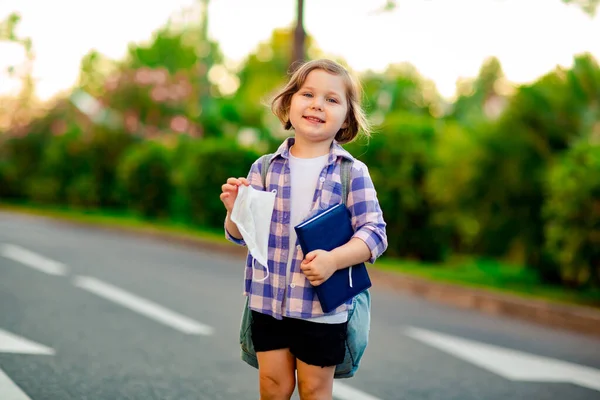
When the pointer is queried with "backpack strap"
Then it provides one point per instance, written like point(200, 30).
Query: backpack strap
point(345, 173)
point(264, 162)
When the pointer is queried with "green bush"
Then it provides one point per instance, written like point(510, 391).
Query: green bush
point(20, 160)
point(399, 159)
point(106, 150)
point(83, 192)
point(204, 168)
point(65, 157)
point(503, 192)
point(144, 175)
point(572, 213)
point(454, 168)
point(43, 190)
point(8, 182)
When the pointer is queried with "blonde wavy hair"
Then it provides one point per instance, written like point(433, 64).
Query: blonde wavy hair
point(356, 119)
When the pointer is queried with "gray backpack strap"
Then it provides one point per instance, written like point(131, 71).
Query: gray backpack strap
point(345, 173)
point(264, 168)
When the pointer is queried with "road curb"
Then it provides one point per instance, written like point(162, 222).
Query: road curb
point(580, 319)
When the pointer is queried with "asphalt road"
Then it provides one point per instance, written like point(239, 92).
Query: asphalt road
point(90, 314)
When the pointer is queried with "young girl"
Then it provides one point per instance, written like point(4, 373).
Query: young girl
point(290, 331)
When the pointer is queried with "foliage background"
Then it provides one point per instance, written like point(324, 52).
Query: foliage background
point(503, 172)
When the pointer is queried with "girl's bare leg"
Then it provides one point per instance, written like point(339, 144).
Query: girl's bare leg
point(314, 382)
point(276, 374)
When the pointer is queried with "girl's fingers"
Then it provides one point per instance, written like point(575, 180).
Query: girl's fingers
point(305, 267)
point(228, 188)
point(310, 273)
point(234, 181)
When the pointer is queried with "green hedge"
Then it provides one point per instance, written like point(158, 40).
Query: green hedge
point(399, 159)
point(144, 176)
point(203, 169)
point(572, 213)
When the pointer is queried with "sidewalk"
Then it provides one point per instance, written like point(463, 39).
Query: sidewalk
point(575, 318)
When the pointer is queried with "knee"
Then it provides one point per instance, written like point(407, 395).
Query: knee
point(312, 389)
point(276, 388)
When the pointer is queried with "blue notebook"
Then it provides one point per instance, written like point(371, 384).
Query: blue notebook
point(327, 230)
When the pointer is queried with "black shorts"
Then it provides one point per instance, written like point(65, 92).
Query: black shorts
point(314, 343)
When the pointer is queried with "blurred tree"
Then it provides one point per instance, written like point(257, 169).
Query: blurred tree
point(20, 114)
point(93, 71)
point(588, 6)
point(501, 193)
point(263, 71)
point(165, 85)
point(481, 98)
point(299, 34)
point(399, 159)
point(401, 88)
point(572, 213)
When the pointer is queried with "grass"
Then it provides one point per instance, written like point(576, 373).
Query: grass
point(493, 276)
point(465, 271)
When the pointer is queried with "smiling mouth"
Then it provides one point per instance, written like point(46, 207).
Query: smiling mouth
point(314, 119)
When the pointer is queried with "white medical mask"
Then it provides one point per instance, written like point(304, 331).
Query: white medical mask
point(252, 212)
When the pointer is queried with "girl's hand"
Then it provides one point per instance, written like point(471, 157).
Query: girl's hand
point(230, 191)
point(318, 266)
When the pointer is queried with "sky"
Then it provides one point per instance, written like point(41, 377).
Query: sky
point(444, 39)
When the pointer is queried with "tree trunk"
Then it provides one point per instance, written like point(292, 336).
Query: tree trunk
point(299, 36)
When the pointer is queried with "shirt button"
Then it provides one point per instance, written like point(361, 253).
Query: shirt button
point(293, 285)
point(322, 179)
point(298, 247)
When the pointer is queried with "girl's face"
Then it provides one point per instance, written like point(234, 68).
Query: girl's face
point(319, 108)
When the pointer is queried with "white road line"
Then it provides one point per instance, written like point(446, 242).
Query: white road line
point(143, 306)
point(10, 343)
point(9, 390)
point(32, 259)
point(510, 364)
point(344, 392)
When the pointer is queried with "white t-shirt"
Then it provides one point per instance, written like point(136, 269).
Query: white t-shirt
point(304, 173)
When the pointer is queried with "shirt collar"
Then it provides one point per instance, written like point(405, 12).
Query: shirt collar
point(335, 151)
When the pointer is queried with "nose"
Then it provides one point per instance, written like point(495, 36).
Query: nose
point(317, 104)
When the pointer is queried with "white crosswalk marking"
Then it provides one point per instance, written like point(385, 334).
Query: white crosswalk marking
point(344, 392)
point(10, 343)
point(9, 390)
point(32, 260)
point(143, 306)
point(508, 363)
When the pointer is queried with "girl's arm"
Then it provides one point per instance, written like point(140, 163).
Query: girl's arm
point(354, 252)
point(231, 228)
point(367, 217)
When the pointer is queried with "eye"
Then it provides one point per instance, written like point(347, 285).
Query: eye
point(307, 94)
point(332, 100)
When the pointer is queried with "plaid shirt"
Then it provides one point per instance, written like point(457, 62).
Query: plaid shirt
point(293, 296)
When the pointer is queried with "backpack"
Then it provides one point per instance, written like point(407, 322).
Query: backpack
point(359, 313)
